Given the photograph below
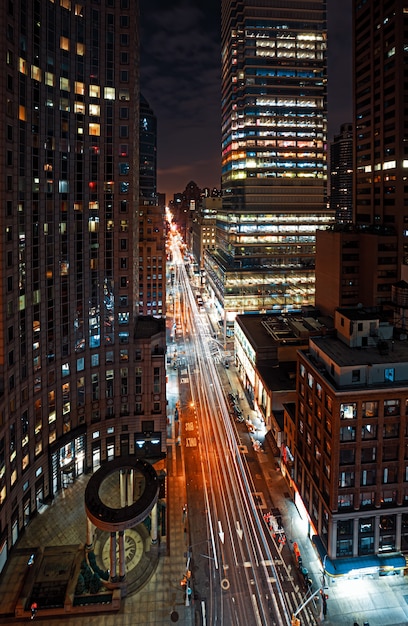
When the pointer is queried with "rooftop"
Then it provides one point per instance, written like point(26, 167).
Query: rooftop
point(264, 330)
point(393, 351)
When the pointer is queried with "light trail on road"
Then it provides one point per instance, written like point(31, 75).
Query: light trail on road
point(250, 589)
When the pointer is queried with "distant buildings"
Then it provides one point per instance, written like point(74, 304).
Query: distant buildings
point(148, 153)
point(341, 175)
point(203, 230)
point(152, 261)
point(274, 118)
point(152, 229)
point(183, 207)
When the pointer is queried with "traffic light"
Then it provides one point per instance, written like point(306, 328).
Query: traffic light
point(295, 621)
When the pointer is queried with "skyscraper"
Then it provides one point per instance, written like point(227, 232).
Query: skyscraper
point(77, 363)
point(148, 153)
point(274, 114)
point(381, 150)
point(341, 174)
point(375, 250)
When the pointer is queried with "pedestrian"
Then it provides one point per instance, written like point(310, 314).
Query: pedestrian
point(34, 608)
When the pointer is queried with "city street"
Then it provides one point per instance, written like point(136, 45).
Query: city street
point(238, 560)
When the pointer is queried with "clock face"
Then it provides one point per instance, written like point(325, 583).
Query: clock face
point(133, 550)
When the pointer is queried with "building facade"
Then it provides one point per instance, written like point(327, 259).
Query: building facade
point(341, 175)
point(371, 254)
point(274, 118)
point(148, 153)
point(152, 261)
point(354, 265)
point(72, 352)
point(380, 117)
point(203, 227)
point(351, 462)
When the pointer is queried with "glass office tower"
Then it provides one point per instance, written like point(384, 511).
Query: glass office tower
point(274, 124)
point(78, 382)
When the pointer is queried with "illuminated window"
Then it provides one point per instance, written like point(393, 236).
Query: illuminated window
point(80, 49)
point(94, 129)
point(94, 109)
point(123, 318)
point(109, 93)
point(389, 374)
point(79, 88)
point(124, 94)
point(36, 73)
point(94, 91)
point(25, 461)
point(348, 411)
point(65, 369)
point(22, 66)
point(93, 224)
point(64, 105)
point(22, 115)
point(64, 43)
point(79, 107)
point(64, 84)
point(49, 79)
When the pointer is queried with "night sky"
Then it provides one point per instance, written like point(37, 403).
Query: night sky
point(180, 78)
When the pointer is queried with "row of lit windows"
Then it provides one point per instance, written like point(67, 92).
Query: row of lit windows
point(292, 134)
point(79, 88)
point(286, 102)
point(280, 35)
point(286, 44)
point(283, 219)
point(80, 390)
point(288, 54)
point(241, 174)
point(235, 164)
point(266, 229)
point(279, 117)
